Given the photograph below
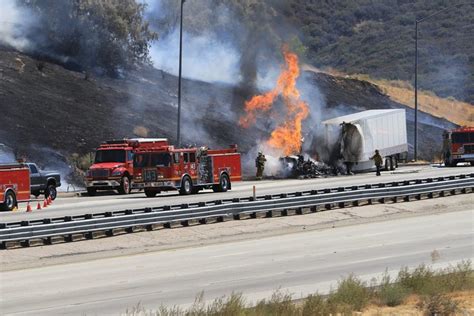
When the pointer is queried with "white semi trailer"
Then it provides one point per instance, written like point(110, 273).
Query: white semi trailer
point(358, 135)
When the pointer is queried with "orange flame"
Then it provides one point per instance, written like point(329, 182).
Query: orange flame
point(286, 137)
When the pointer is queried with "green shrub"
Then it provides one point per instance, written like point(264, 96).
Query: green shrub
point(420, 281)
point(392, 294)
point(280, 304)
point(351, 292)
point(315, 305)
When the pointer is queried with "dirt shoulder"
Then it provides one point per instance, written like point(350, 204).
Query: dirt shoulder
point(199, 235)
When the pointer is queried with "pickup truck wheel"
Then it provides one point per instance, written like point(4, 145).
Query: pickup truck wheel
point(91, 191)
point(387, 164)
point(51, 192)
point(224, 184)
point(151, 192)
point(124, 186)
point(10, 201)
point(186, 186)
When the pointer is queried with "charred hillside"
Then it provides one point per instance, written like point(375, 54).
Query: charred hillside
point(50, 112)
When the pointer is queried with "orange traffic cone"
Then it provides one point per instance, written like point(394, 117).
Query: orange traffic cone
point(39, 206)
point(28, 208)
point(45, 203)
point(49, 200)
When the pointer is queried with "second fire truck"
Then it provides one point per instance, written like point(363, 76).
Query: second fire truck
point(187, 170)
point(458, 146)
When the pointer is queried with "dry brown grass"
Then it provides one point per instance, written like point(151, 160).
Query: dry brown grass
point(458, 112)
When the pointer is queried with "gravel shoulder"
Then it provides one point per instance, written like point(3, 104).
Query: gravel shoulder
point(195, 236)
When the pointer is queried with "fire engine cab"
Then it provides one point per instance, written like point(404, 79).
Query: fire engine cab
point(458, 146)
point(14, 185)
point(187, 170)
point(113, 165)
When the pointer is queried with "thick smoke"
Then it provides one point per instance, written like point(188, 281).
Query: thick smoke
point(209, 53)
point(205, 57)
point(6, 154)
point(15, 22)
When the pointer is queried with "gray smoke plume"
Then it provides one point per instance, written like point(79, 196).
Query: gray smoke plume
point(209, 54)
point(15, 22)
point(6, 154)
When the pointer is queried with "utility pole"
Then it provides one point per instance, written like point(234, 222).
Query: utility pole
point(415, 145)
point(418, 21)
point(178, 136)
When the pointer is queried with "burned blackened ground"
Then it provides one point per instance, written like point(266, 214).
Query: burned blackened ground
point(47, 109)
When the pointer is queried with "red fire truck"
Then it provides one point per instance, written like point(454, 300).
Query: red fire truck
point(458, 146)
point(113, 165)
point(14, 185)
point(188, 170)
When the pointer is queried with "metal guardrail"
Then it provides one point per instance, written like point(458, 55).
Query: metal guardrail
point(87, 225)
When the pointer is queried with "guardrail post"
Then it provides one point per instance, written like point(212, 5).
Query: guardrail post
point(355, 203)
point(406, 198)
point(254, 193)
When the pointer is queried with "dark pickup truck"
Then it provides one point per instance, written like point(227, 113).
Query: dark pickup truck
point(43, 182)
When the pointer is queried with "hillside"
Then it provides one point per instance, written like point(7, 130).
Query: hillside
point(51, 114)
point(377, 38)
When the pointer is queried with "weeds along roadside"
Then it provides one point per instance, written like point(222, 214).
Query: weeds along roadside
point(431, 289)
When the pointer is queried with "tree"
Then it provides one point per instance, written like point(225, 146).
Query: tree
point(111, 35)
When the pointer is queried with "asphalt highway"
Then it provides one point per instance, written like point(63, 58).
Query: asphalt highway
point(110, 201)
point(300, 263)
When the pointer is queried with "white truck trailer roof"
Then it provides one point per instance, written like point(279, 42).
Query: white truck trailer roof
point(353, 118)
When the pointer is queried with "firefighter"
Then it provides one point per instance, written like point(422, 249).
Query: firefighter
point(378, 161)
point(260, 164)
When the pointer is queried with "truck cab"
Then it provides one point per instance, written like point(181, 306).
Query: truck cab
point(113, 165)
point(458, 146)
point(43, 182)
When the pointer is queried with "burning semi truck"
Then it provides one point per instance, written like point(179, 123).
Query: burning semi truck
point(113, 165)
point(187, 170)
point(354, 138)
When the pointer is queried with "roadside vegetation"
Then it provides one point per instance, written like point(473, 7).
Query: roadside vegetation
point(458, 112)
point(425, 290)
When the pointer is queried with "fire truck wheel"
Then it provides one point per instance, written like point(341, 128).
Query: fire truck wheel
point(151, 192)
point(91, 191)
point(186, 186)
point(124, 186)
point(10, 201)
point(224, 183)
point(51, 192)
